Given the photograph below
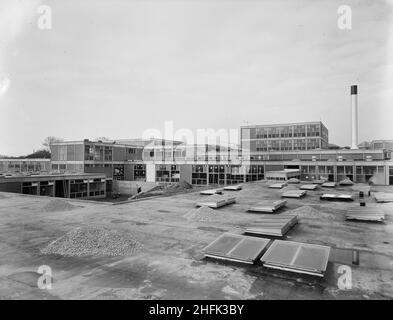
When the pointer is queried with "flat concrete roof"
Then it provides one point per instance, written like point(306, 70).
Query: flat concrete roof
point(251, 126)
point(172, 265)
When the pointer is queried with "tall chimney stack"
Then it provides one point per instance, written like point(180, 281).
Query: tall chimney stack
point(354, 116)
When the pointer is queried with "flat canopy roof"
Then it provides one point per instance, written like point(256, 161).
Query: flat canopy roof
point(26, 160)
point(282, 172)
point(59, 176)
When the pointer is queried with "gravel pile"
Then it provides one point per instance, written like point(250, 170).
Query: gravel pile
point(58, 205)
point(346, 182)
point(94, 241)
point(180, 185)
point(310, 212)
point(201, 214)
point(293, 180)
point(164, 189)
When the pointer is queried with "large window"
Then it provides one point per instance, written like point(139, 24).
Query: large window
point(390, 175)
point(140, 172)
point(71, 152)
point(286, 132)
point(168, 173)
point(98, 153)
point(275, 133)
point(259, 133)
point(216, 174)
point(78, 188)
point(118, 172)
point(261, 145)
point(313, 130)
point(254, 173)
point(364, 173)
point(97, 188)
point(89, 152)
point(234, 175)
point(199, 174)
point(274, 145)
point(108, 154)
point(63, 153)
point(313, 144)
point(286, 144)
point(163, 173)
point(175, 173)
point(299, 144)
point(299, 131)
point(348, 170)
point(30, 187)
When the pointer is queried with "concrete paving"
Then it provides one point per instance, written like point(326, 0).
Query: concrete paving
point(172, 266)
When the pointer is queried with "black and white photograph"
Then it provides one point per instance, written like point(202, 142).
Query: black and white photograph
point(208, 152)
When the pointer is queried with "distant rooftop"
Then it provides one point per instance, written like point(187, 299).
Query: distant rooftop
point(144, 142)
point(52, 175)
point(281, 124)
point(105, 142)
point(24, 159)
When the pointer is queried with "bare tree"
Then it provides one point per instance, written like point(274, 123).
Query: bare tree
point(104, 139)
point(49, 140)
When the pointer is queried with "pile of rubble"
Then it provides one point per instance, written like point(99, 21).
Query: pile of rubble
point(164, 189)
point(94, 241)
point(310, 213)
point(201, 214)
point(58, 205)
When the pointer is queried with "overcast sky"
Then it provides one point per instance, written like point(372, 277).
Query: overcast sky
point(116, 68)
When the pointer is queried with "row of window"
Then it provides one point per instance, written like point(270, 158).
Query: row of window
point(310, 130)
point(102, 153)
point(287, 135)
point(61, 166)
point(346, 170)
point(254, 173)
point(84, 194)
point(317, 157)
point(168, 173)
point(98, 153)
point(17, 168)
point(222, 179)
point(205, 156)
point(279, 145)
